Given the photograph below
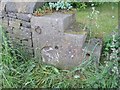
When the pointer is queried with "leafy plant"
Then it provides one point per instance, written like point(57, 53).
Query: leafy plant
point(60, 5)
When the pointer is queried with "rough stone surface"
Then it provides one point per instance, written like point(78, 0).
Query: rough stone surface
point(93, 49)
point(22, 7)
point(11, 7)
point(55, 23)
point(26, 24)
point(26, 33)
point(5, 21)
point(25, 17)
point(12, 15)
point(63, 51)
point(14, 23)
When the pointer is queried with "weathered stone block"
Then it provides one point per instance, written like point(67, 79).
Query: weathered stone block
point(25, 17)
point(9, 30)
point(22, 33)
point(26, 24)
point(93, 49)
point(25, 33)
point(17, 33)
point(11, 7)
point(5, 22)
point(54, 23)
point(27, 43)
point(12, 15)
point(22, 7)
point(62, 50)
point(14, 22)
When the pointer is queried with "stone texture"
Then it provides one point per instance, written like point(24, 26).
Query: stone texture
point(12, 15)
point(93, 49)
point(5, 22)
point(11, 7)
point(25, 17)
point(64, 51)
point(22, 7)
point(14, 22)
point(25, 33)
point(26, 24)
point(55, 23)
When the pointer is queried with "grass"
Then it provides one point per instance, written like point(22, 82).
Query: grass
point(105, 21)
point(30, 73)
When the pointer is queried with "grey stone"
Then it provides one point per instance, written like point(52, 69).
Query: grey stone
point(11, 7)
point(3, 14)
point(22, 7)
point(17, 33)
point(28, 7)
point(25, 33)
point(26, 24)
point(14, 22)
point(5, 22)
point(63, 51)
point(12, 15)
point(3, 5)
point(9, 30)
point(25, 17)
point(27, 43)
point(54, 23)
point(93, 49)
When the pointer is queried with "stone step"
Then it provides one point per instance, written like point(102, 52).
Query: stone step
point(76, 28)
point(93, 49)
point(63, 50)
point(53, 23)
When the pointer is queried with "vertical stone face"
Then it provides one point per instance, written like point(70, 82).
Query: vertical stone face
point(57, 48)
point(14, 22)
point(55, 23)
point(63, 51)
point(22, 7)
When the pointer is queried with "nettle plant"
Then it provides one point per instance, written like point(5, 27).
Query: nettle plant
point(61, 5)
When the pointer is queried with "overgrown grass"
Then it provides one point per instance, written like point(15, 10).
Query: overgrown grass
point(32, 74)
point(107, 19)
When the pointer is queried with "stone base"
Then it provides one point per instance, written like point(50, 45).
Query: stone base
point(63, 51)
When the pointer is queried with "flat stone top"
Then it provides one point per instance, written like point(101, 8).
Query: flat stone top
point(57, 15)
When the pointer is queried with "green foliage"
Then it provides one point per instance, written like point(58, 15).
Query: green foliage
point(83, 5)
point(33, 74)
point(108, 44)
point(22, 72)
point(60, 5)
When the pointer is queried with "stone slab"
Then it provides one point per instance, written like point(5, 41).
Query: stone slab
point(26, 24)
point(14, 22)
point(5, 22)
point(63, 50)
point(53, 23)
point(93, 49)
point(22, 7)
point(22, 33)
point(12, 15)
point(25, 17)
